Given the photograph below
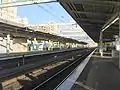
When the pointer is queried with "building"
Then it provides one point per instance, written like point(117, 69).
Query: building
point(74, 31)
point(69, 30)
point(10, 13)
point(46, 28)
point(8, 44)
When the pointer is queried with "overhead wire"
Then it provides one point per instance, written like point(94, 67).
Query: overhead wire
point(54, 15)
point(50, 12)
point(47, 5)
point(24, 3)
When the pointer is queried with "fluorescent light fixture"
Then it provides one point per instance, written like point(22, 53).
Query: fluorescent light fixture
point(106, 27)
point(103, 30)
point(115, 20)
point(110, 24)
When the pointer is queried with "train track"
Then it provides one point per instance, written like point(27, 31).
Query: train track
point(58, 74)
point(21, 59)
point(56, 57)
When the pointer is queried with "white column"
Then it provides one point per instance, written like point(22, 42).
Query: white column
point(8, 44)
point(119, 39)
point(101, 44)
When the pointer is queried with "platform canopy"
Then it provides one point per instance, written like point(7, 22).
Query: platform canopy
point(95, 16)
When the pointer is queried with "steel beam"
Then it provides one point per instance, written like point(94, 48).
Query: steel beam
point(91, 25)
point(119, 40)
point(108, 40)
point(8, 44)
point(91, 20)
point(97, 2)
point(101, 44)
point(66, 5)
point(111, 21)
point(92, 13)
point(111, 31)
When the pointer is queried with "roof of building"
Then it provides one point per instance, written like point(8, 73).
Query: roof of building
point(93, 15)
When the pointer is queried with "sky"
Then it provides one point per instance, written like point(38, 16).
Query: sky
point(44, 13)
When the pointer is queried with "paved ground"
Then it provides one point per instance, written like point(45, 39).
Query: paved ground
point(103, 75)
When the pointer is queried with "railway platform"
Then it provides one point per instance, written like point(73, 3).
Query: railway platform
point(91, 73)
point(100, 73)
point(38, 65)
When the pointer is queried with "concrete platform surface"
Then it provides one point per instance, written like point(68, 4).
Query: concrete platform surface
point(103, 75)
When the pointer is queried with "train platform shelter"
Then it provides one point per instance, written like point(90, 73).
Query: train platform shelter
point(100, 19)
point(99, 73)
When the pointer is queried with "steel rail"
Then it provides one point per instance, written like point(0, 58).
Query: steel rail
point(72, 72)
point(53, 76)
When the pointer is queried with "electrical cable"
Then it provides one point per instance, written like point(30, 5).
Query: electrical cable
point(24, 3)
point(50, 13)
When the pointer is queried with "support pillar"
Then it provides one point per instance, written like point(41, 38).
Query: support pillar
point(31, 47)
point(35, 44)
point(119, 39)
point(58, 44)
point(8, 44)
point(30, 44)
point(101, 44)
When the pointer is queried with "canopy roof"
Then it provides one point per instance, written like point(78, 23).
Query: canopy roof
point(93, 15)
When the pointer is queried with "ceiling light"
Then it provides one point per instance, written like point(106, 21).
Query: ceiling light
point(110, 24)
point(115, 20)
